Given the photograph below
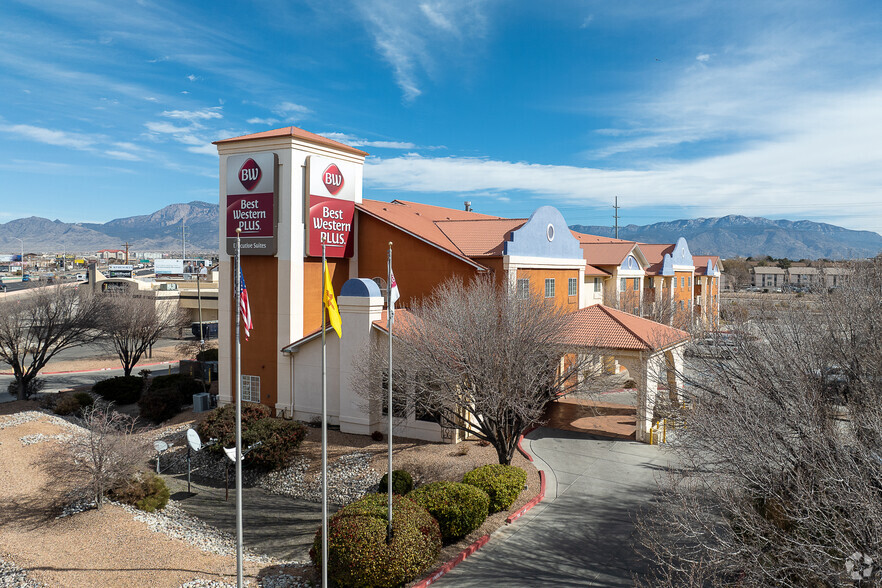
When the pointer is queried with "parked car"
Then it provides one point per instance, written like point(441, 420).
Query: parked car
point(81, 277)
point(26, 278)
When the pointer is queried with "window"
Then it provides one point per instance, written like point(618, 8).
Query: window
point(649, 283)
point(636, 284)
point(623, 284)
point(523, 288)
point(549, 287)
point(399, 396)
point(680, 304)
point(682, 281)
point(572, 287)
point(250, 388)
point(597, 285)
point(690, 281)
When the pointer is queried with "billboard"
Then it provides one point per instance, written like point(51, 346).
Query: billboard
point(9, 258)
point(181, 268)
point(120, 271)
point(252, 202)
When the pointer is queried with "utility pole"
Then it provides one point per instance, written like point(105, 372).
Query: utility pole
point(183, 238)
point(127, 253)
point(616, 207)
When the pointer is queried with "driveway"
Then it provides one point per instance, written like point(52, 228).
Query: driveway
point(582, 534)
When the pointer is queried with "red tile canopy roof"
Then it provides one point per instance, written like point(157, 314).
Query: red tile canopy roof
point(297, 133)
point(607, 328)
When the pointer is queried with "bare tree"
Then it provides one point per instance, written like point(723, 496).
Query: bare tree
point(778, 473)
point(479, 358)
point(134, 322)
point(38, 325)
point(105, 454)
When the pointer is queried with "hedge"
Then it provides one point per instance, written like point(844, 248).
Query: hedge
point(458, 508)
point(158, 405)
point(358, 554)
point(280, 440)
point(184, 386)
point(220, 424)
point(502, 483)
point(146, 491)
point(121, 390)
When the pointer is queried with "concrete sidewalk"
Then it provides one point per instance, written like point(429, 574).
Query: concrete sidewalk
point(278, 526)
point(583, 533)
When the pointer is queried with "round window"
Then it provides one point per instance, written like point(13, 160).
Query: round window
point(549, 232)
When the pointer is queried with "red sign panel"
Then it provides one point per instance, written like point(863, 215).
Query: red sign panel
point(253, 213)
point(249, 174)
point(332, 178)
point(330, 222)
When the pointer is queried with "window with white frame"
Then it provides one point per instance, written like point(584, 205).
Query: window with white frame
point(636, 284)
point(523, 288)
point(623, 284)
point(250, 388)
point(598, 285)
point(649, 283)
point(549, 287)
point(572, 286)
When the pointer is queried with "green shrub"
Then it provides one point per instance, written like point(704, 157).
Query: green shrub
point(122, 390)
point(220, 424)
point(402, 482)
point(207, 355)
point(67, 404)
point(184, 386)
point(84, 398)
point(280, 440)
point(502, 483)
point(145, 491)
point(358, 554)
point(160, 405)
point(458, 508)
point(33, 387)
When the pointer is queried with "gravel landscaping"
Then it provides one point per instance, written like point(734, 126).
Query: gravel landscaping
point(356, 464)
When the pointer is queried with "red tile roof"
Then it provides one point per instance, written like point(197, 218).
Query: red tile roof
point(608, 328)
point(423, 221)
point(297, 133)
point(590, 271)
point(655, 255)
point(403, 318)
point(700, 262)
point(607, 253)
point(480, 238)
point(586, 238)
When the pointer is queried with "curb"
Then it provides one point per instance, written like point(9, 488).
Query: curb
point(483, 540)
point(454, 562)
point(107, 369)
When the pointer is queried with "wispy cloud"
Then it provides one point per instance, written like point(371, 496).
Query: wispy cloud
point(262, 121)
point(359, 142)
point(50, 136)
point(412, 36)
point(291, 111)
point(123, 155)
point(194, 115)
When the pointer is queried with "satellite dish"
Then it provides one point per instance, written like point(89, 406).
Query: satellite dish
point(194, 440)
point(231, 453)
point(160, 446)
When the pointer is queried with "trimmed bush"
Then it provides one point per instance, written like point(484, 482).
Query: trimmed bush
point(146, 491)
point(160, 405)
point(122, 390)
point(207, 355)
point(280, 442)
point(67, 404)
point(502, 483)
point(184, 386)
point(458, 508)
point(220, 424)
point(358, 554)
point(84, 398)
point(402, 482)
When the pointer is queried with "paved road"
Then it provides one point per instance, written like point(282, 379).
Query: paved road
point(583, 533)
point(61, 382)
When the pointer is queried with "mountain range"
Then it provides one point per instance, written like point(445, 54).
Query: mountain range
point(735, 235)
point(726, 236)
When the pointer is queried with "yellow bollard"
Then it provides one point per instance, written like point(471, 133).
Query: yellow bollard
point(664, 430)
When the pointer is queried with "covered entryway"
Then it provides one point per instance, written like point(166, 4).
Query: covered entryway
point(652, 354)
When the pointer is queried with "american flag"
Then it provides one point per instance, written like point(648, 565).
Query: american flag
point(244, 306)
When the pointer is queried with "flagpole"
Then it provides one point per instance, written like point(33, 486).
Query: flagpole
point(324, 432)
point(239, 574)
point(389, 382)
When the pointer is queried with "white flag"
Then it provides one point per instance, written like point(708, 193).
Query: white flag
point(393, 295)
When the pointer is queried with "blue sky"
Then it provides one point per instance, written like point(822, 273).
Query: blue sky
point(681, 109)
